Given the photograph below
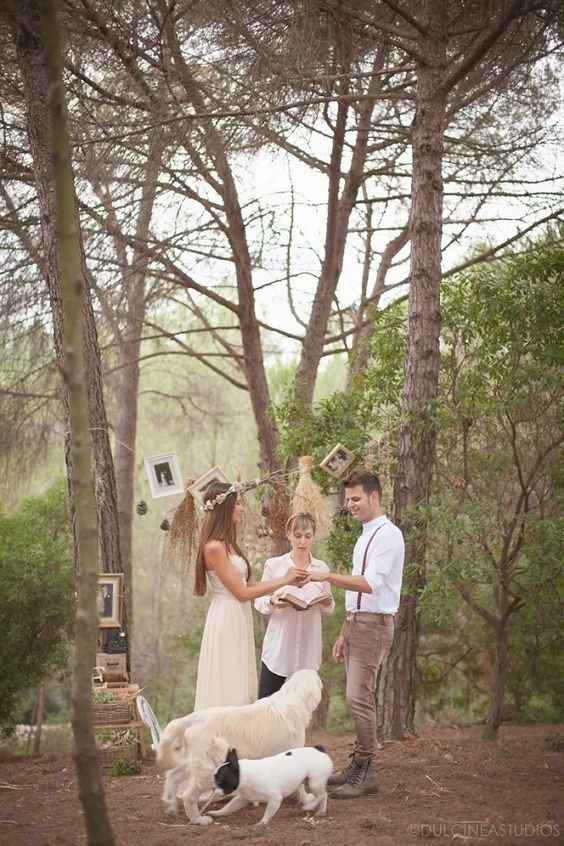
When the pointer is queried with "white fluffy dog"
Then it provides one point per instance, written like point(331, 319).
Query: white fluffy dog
point(191, 747)
point(273, 779)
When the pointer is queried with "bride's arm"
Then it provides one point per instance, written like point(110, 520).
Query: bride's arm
point(262, 603)
point(218, 561)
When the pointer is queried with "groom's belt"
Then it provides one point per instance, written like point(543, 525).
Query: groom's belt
point(351, 616)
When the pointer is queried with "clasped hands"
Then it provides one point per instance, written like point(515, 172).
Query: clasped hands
point(298, 577)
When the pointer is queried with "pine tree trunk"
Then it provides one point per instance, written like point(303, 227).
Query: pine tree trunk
point(499, 682)
point(39, 714)
point(74, 366)
point(134, 285)
point(126, 432)
point(25, 17)
point(416, 453)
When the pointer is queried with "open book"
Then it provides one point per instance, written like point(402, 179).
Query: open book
point(305, 597)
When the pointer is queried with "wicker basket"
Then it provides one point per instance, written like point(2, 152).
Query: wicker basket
point(110, 713)
point(123, 692)
point(109, 754)
point(115, 743)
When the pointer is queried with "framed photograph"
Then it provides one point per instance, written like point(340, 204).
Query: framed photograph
point(338, 461)
point(163, 473)
point(109, 599)
point(198, 487)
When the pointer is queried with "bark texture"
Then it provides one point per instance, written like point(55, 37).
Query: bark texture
point(74, 366)
point(499, 681)
point(416, 450)
point(416, 453)
point(31, 57)
point(134, 281)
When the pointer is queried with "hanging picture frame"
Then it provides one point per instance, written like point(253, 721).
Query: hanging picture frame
point(163, 474)
point(216, 474)
point(109, 600)
point(338, 461)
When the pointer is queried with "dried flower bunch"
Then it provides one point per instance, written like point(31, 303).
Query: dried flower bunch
point(308, 497)
point(183, 537)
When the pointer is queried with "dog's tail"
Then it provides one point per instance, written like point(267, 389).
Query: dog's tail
point(166, 758)
point(169, 746)
point(172, 743)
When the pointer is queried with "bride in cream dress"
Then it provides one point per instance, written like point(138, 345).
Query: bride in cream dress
point(227, 671)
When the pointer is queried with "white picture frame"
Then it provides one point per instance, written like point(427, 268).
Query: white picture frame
point(198, 487)
point(337, 462)
point(163, 474)
point(109, 600)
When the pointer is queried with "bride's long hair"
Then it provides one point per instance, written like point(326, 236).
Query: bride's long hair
point(218, 525)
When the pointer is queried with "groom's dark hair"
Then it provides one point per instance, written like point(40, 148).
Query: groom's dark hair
point(366, 479)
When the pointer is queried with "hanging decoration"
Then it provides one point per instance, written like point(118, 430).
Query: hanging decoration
point(197, 487)
point(163, 474)
point(308, 497)
point(183, 533)
point(338, 461)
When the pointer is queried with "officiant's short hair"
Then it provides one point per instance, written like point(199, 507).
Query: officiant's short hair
point(301, 520)
point(365, 479)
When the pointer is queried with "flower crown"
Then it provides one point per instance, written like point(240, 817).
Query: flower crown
point(236, 487)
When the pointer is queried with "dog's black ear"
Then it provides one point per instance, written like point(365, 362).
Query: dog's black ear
point(233, 760)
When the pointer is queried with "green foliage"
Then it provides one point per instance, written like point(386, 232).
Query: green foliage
point(341, 541)
point(125, 767)
point(36, 602)
point(314, 430)
point(381, 385)
point(499, 415)
point(102, 696)
point(173, 692)
point(496, 531)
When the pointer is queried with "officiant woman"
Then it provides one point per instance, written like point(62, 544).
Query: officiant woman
point(293, 636)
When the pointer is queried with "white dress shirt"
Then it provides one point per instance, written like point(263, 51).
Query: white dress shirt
point(293, 638)
point(384, 567)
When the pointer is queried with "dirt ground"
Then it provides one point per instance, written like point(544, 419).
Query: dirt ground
point(445, 785)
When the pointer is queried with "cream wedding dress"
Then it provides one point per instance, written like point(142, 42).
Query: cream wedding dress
point(227, 672)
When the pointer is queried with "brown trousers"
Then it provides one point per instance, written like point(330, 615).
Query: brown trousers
point(368, 640)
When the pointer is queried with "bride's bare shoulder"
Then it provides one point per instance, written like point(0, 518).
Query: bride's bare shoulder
point(215, 548)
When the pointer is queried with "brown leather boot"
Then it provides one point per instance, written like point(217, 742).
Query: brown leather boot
point(360, 783)
point(341, 778)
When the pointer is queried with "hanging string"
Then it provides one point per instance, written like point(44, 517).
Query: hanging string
point(101, 429)
point(275, 476)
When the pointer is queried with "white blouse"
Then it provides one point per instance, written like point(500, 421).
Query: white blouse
point(293, 638)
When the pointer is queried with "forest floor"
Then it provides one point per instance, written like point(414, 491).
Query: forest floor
point(445, 785)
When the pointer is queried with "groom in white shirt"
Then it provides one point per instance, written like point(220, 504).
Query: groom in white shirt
point(372, 600)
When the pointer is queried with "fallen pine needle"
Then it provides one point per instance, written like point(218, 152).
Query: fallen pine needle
point(174, 825)
point(436, 783)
